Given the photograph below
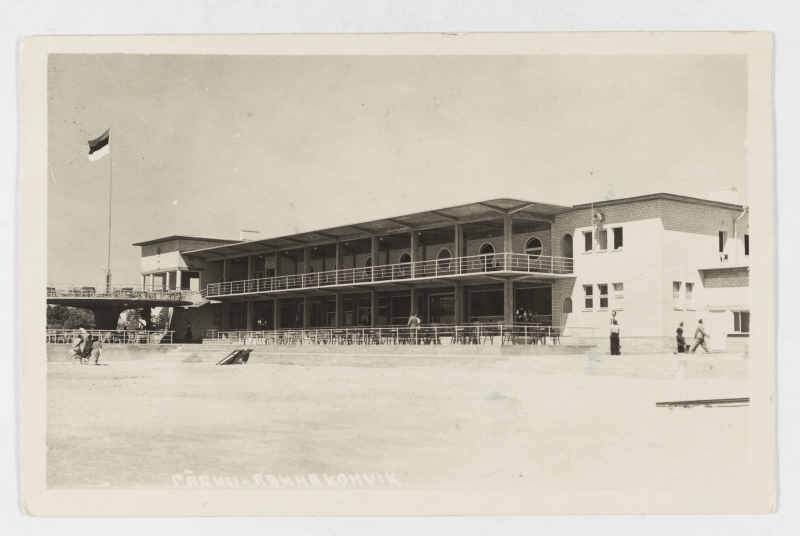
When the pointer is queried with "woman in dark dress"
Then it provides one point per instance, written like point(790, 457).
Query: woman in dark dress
point(614, 337)
point(188, 336)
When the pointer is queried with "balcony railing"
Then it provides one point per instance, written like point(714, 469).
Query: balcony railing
point(135, 292)
point(476, 264)
point(66, 336)
point(502, 334)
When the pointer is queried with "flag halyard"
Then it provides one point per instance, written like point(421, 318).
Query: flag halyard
point(99, 147)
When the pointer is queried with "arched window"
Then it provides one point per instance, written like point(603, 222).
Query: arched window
point(567, 307)
point(534, 248)
point(443, 259)
point(487, 250)
point(566, 246)
point(404, 258)
point(158, 250)
point(368, 263)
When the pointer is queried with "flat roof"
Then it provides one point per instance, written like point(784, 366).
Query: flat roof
point(429, 219)
point(671, 197)
point(185, 237)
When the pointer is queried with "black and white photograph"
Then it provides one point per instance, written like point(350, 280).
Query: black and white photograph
point(429, 275)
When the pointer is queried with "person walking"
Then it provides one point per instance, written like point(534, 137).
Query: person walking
point(96, 352)
point(699, 338)
point(188, 337)
point(86, 353)
point(679, 340)
point(615, 337)
point(75, 351)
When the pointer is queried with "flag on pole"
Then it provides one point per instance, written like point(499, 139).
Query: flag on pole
point(99, 147)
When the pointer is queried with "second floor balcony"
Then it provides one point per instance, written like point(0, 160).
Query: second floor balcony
point(471, 269)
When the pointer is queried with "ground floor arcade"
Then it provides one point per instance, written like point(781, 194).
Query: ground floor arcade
point(497, 302)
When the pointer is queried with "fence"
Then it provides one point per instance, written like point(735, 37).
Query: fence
point(467, 334)
point(65, 336)
point(475, 264)
point(136, 292)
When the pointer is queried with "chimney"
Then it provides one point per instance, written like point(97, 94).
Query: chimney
point(725, 195)
point(248, 235)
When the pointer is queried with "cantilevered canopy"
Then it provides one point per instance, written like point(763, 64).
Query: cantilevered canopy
point(430, 219)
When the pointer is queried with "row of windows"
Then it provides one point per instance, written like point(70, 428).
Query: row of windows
point(533, 247)
point(682, 296)
point(601, 236)
point(598, 295)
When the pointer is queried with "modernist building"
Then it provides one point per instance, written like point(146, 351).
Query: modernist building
point(656, 260)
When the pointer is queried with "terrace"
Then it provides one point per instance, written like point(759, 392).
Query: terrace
point(467, 270)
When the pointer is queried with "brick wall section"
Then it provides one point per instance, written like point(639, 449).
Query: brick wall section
point(729, 278)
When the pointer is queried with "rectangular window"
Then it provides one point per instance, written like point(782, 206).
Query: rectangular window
point(741, 322)
point(722, 238)
point(690, 296)
point(587, 241)
point(602, 240)
point(747, 244)
point(676, 295)
point(618, 296)
point(603, 291)
point(617, 238)
point(588, 301)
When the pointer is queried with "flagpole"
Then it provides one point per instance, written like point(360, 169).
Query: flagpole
point(110, 193)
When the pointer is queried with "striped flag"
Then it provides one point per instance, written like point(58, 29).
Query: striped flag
point(99, 147)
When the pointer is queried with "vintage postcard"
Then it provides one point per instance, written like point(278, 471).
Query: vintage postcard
point(398, 274)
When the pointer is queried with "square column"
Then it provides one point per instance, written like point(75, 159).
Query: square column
point(339, 266)
point(250, 317)
point(374, 304)
point(177, 280)
point(306, 260)
point(250, 266)
point(414, 253)
point(508, 302)
point(458, 247)
point(337, 318)
point(508, 243)
point(225, 270)
point(459, 304)
point(278, 257)
point(415, 301)
point(276, 317)
point(306, 312)
point(225, 316)
point(376, 252)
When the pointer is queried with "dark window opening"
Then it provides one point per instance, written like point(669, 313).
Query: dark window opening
point(617, 237)
point(721, 241)
point(566, 246)
point(587, 241)
point(747, 244)
point(741, 321)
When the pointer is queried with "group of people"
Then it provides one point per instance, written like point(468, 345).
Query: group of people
point(85, 347)
point(700, 336)
point(523, 316)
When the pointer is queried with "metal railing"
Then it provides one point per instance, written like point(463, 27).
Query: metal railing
point(136, 292)
point(475, 264)
point(66, 336)
point(501, 334)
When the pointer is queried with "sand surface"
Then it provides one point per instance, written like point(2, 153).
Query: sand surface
point(504, 424)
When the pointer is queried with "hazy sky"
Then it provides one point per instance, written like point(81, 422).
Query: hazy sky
point(210, 145)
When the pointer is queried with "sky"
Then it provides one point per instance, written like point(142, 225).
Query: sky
point(211, 145)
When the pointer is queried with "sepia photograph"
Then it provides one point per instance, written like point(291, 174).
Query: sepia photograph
point(413, 275)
